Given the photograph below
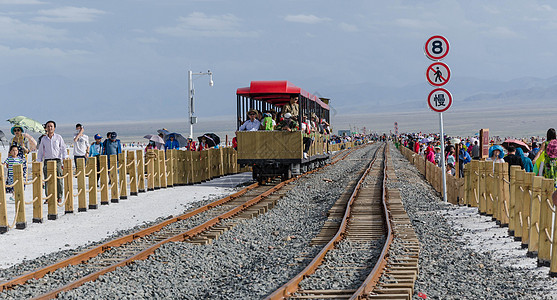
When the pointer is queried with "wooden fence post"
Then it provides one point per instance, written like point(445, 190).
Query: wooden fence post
point(474, 183)
point(81, 193)
point(512, 202)
point(519, 188)
point(157, 173)
point(504, 193)
point(174, 167)
point(546, 206)
point(533, 244)
point(490, 201)
point(162, 169)
point(553, 264)
point(484, 165)
point(52, 191)
point(113, 173)
point(19, 180)
point(526, 201)
point(4, 226)
point(151, 170)
point(92, 171)
point(123, 175)
point(140, 171)
point(133, 173)
point(196, 166)
point(37, 192)
point(497, 179)
point(68, 185)
point(105, 188)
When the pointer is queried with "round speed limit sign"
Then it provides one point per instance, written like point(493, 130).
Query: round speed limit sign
point(436, 47)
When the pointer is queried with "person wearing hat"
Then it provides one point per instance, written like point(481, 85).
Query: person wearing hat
point(111, 146)
point(22, 143)
point(172, 143)
point(96, 147)
point(252, 124)
point(81, 143)
point(287, 124)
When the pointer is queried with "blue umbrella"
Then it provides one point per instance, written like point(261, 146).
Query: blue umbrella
point(496, 147)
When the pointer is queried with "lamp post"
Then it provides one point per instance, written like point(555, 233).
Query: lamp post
point(191, 93)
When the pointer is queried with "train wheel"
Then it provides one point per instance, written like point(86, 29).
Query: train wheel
point(261, 180)
point(286, 175)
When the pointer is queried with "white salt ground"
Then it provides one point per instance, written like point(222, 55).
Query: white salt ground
point(78, 229)
point(483, 235)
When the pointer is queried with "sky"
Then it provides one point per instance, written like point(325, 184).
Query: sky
point(97, 61)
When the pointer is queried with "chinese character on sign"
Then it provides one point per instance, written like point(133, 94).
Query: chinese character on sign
point(439, 100)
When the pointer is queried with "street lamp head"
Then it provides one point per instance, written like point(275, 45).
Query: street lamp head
point(210, 78)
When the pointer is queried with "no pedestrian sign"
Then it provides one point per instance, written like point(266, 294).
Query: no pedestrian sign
point(436, 47)
point(440, 100)
point(438, 74)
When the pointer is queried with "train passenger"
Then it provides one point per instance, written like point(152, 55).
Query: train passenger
point(287, 124)
point(292, 107)
point(252, 124)
point(268, 123)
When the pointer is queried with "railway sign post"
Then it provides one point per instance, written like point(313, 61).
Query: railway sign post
point(436, 47)
point(439, 100)
point(438, 74)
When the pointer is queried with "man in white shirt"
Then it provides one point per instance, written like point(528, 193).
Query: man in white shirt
point(80, 144)
point(252, 124)
point(52, 147)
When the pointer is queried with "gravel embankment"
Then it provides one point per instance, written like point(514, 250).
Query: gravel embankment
point(448, 268)
point(248, 262)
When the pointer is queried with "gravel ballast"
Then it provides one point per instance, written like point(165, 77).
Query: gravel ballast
point(449, 267)
point(247, 262)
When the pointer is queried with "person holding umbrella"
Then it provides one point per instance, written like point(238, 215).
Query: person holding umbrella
point(171, 143)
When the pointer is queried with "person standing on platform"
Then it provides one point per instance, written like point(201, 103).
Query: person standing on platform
point(52, 147)
point(81, 144)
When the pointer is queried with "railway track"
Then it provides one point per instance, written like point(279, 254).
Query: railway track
point(373, 220)
point(199, 226)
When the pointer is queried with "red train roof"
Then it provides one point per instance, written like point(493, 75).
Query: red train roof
point(276, 92)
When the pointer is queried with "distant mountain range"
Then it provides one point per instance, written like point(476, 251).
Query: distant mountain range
point(468, 93)
point(71, 100)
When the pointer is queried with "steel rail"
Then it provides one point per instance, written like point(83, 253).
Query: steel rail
point(375, 274)
point(293, 284)
point(144, 254)
point(93, 252)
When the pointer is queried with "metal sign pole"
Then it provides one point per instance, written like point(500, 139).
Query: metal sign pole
point(443, 169)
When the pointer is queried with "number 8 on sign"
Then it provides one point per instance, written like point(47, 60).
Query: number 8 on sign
point(436, 47)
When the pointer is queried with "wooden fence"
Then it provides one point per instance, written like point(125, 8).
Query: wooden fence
point(130, 173)
point(519, 200)
point(433, 175)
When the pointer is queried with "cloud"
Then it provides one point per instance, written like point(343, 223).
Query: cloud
point(307, 19)
point(147, 40)
point(198, 24)
point(68, 14)
point(348, 27)
point(500, 32)
point(416, 24)
point(14, 29)
point(42, 52)
point(21, 2)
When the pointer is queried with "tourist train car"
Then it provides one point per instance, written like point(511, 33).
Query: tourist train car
point(273, 153)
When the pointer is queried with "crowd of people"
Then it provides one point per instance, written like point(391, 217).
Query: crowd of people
point(51, 147)
point(537, 155)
